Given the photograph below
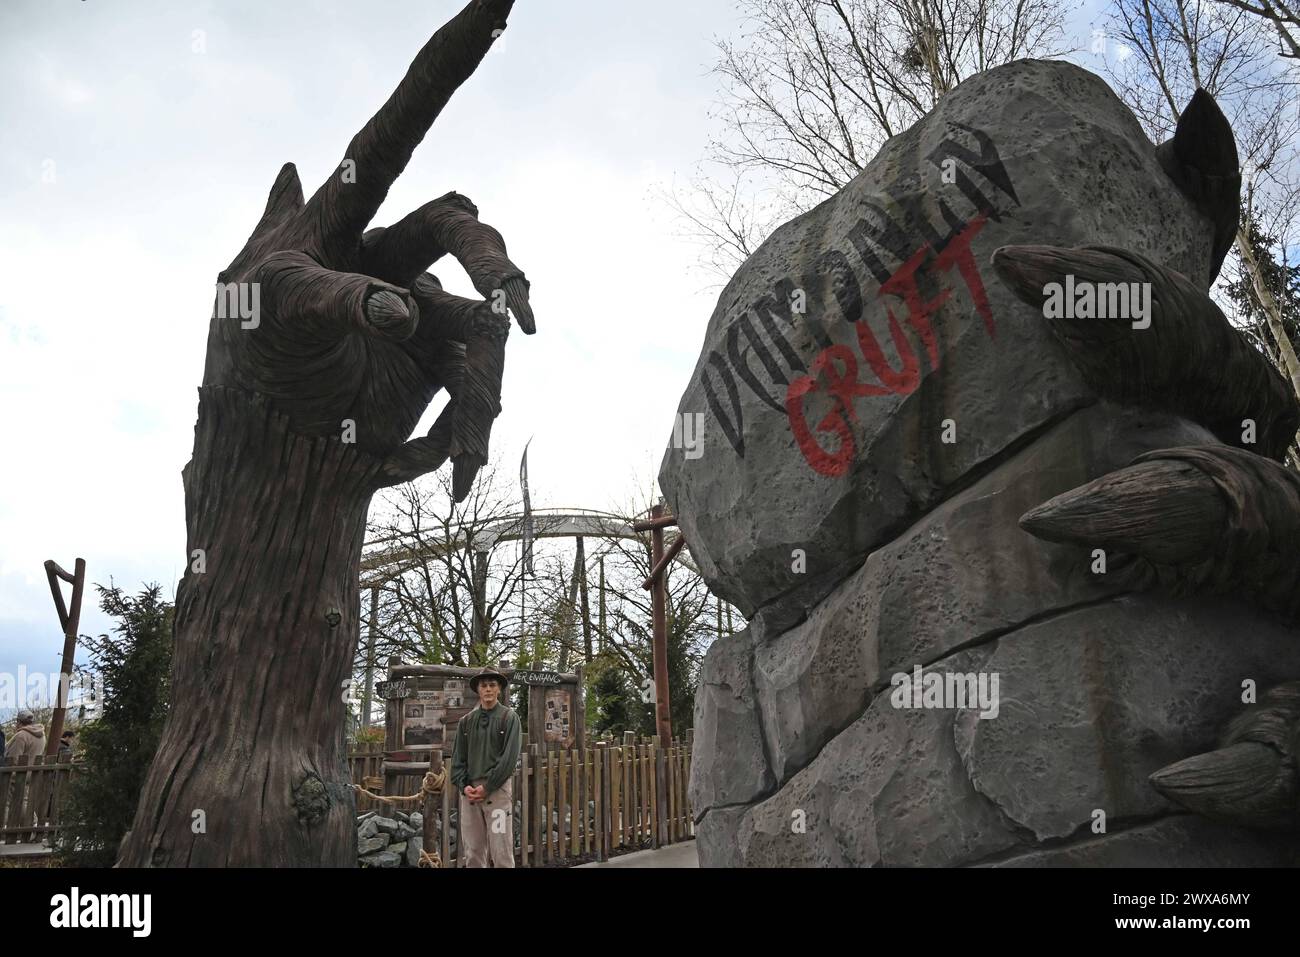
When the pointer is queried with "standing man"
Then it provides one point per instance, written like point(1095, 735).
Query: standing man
point(482, 772)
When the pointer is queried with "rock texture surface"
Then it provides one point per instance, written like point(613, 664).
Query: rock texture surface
point(1039, 152)
point(866, 462)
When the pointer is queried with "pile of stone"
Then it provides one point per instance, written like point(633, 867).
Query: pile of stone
point(390, 841)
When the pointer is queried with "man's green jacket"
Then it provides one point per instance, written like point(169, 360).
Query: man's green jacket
point(487, 748)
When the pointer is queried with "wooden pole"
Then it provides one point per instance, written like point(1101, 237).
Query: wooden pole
point(658, 592)
point(433, 806)
point(70, 620)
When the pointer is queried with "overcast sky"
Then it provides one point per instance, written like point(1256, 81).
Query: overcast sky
point(136, 156)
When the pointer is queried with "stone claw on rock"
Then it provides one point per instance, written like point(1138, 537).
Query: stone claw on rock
point(1209, 519)
point(1252, 779)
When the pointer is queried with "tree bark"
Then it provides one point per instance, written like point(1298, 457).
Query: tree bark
point(1285, 349)
point(251, 768)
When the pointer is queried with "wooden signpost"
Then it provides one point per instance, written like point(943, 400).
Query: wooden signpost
point(69, 621)
point(556, 709)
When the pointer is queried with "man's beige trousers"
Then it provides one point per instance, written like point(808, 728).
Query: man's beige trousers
point(487, 829)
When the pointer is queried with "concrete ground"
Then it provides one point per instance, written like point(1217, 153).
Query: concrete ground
point(674, 855)
point(24, 850)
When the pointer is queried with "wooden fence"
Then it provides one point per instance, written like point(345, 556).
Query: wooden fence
point(609, 797)
point(31, 796)
point(587, 804)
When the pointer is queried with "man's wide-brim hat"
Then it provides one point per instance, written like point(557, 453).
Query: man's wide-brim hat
point(488, 673)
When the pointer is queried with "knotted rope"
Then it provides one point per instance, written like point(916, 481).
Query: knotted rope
point(431, 785)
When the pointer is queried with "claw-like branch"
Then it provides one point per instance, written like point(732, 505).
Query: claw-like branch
point(1252, 779)
point(478, 403)
point(317, 305)
point(1207, 519)
point(1188, 361)
point(380, 151)
point(449, 224)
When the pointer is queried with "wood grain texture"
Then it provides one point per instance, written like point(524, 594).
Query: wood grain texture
point(310, 392)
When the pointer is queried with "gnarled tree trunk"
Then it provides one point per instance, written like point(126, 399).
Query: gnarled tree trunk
point(339, 341)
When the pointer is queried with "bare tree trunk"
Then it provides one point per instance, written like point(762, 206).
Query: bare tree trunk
point(1272, 313)
point(326, 344)
point(251, 767)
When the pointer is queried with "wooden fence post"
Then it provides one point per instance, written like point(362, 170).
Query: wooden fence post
point(606, 794)
point(523, 805)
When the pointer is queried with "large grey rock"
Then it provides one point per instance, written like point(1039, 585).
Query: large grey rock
point(1091, 702)
point(413, 848)
point(905, 552)
point(718, 836)
point(367, 845)
point(1175, 841)
point(889, 790)
point(1097, 699)
point(387, 825)
point(1042, 153)
point(382, 859)
point(368, 828)
point(728, 763)
point(962, 573)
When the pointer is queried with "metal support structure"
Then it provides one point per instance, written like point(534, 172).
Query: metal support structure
point(70, 621)
point(600, 632)
point(478, 639)
point(586, 608)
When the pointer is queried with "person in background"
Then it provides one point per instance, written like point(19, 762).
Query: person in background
point(65, 742)
point(28, 741)
point(482, 772)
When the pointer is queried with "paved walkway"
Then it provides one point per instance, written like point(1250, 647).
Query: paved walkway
point(24, 850)
point(674, 855)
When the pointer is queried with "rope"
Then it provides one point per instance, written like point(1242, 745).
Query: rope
point(431, 785)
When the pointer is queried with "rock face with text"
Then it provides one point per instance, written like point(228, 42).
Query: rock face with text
point(981, 632)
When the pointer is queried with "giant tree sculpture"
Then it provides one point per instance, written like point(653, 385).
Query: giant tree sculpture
point(308, 399)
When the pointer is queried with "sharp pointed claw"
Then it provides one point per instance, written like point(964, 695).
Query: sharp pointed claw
point(1247, 783)
point(464, 469)
point(1166, 512)
point(1029, 270)
point(516, 290)
point(1252, 780)
point(417, 457)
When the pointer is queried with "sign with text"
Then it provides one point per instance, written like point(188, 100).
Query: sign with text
point(538, 677)
point(393, 689)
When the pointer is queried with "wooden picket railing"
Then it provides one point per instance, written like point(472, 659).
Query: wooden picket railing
point(578, 804)
point(31, 796)
point(593, 803)
point(367, 761)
